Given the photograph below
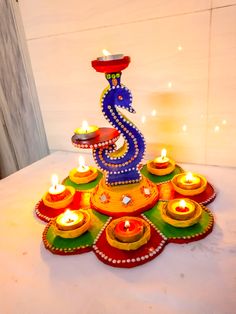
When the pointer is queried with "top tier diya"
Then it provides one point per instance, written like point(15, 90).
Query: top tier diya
point(109, 63)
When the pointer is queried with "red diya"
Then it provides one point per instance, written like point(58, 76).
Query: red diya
point(106, 137)
point(111, 63)
point(128, 233)
point(58, 195)
point(129, 230)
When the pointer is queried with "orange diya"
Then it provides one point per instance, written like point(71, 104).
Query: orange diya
point(128, 233)
point(58, 195)
point(189, 184)
point(161, 165)
point(83, 174)
point(162, 161)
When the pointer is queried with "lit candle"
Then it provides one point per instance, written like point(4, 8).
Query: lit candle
point(83, 174)
point(162, 161)
point(86, 132)
point(56, 188)
point(182, 207)
point(107, 56)
point(127, 224)
point(129, 230)
point(70, 220)
point(71, 224)
point(83, 170)
point(189, 181)
point(181, 213)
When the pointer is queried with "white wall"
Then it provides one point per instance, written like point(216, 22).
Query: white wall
point(183, 66)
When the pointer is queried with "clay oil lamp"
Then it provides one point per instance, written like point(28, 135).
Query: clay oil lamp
point(161, 165)
point(71, 224)
point(128, 233)
point(86, 132)
point(58, 195)
point(83, 174)
point(181, 212)
point(189, 184)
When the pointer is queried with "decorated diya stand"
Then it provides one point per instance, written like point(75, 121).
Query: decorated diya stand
point(131, 212)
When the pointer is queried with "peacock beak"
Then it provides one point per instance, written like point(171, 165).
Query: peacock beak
point(131, 109)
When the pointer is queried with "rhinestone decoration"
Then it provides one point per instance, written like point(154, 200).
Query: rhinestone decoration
point(126, 200)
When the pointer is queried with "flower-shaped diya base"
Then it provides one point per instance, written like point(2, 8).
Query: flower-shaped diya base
point(145, 192)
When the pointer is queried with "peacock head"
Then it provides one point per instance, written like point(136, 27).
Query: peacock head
point(121, 95)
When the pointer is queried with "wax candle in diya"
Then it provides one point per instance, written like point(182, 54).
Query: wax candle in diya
point(161, 165)
point(162, 161)
point(86, 131)
point(107, 56)
point(181, 212)
point(71, 224)
point(189, 184)
point(83, 174)
point(58, 195)
point(128, 233)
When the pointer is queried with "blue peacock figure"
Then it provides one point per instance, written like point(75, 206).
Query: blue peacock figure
point(121, 166)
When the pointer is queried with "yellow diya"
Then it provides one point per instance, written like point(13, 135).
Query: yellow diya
point(71, 224)
point(181, 213)
point(161, 165)
point(83, 174)
point(189, 184)
point(128, 233)
point(58, 195)
point(86, 132)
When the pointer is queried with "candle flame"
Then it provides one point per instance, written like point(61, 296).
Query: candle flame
point(189, 177)
point(85, 126)
point(106, 52)
point(127, 224)
point(163, 153)
point(182, 204)
point(55, 181)
point(81, 162)
point(68, 216)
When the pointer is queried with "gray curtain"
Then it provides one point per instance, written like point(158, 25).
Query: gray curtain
point(22, 134)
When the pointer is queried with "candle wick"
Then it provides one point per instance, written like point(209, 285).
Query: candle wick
point(69, 220)
point(55, 187)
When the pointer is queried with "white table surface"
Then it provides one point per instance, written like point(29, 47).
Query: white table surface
point(199, 277)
